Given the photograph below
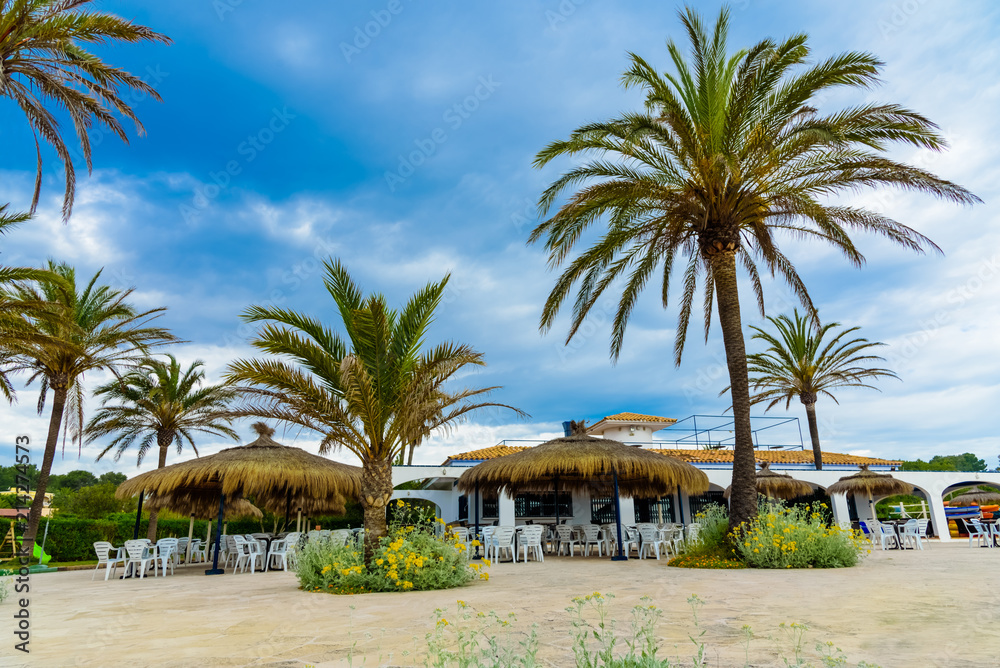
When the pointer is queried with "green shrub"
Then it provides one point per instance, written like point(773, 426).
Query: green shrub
point(713, 523)
point(797, 537)
point(411, 557)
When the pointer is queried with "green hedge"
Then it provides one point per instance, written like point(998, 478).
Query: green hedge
point(72, 538)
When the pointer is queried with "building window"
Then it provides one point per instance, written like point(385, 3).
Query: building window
point(533, 505)
point(655, 510)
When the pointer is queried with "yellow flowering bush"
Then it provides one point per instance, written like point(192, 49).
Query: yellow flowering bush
point(797, 537)
point(411, 557)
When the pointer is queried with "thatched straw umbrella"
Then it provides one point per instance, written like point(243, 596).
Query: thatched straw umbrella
point(870, 483)
point(263, 468)
point(977, 497)
point(583, 462)
point(777, 485)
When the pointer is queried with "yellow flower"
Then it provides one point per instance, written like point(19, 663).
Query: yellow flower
point(461, 603)
point(379, 561)
point(399, 503)
point(484, 576)
point(442, 622)
point(487, 562)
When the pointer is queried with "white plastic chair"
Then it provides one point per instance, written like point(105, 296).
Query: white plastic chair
point(910, 536)
point(166, 552)
point(339, 537)
point(138, 556)
point(978, 533)
point(887, 535)
point(240, 550)
point(529, 541)
point(651, 541)
point(197, 551)
point(591, 536)
point(503, 539)
point(277, 553)
point(104, 558)
point(565, 538)
point(487, 538)
point(630, 539)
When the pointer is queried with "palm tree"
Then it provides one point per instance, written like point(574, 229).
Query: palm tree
point(372, 393)
point(74, 332)
point(43, 65)
point(728, 156)
point(798, 363)
point(160, 402)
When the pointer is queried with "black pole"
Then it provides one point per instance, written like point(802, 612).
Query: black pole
point(557, 499)
point(288, 506)
point(618, 520)
point(138, 516)
point(477, 522)
point(215, 570)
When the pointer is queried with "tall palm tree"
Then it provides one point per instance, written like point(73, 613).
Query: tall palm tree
point(728, 157)
point(372, 392)
point(44, 65)
point(798, 363)
point(75, 331)
point(14, 312)
point(164, 403)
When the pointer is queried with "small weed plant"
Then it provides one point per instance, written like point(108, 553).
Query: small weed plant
point(412, 557)
point(467, 638)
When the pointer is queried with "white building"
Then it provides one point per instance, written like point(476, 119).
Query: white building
point(715, 461)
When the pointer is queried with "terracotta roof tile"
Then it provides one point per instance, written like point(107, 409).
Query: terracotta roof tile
point(637, 417)
point(705, 456)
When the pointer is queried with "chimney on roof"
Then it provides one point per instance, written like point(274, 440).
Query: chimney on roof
point(567, 428)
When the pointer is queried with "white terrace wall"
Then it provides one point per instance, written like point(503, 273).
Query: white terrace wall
point(933, 484)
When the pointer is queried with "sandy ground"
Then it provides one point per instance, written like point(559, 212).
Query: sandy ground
point(939, 607)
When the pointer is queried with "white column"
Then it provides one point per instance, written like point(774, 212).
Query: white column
point(187, 552)
point(677, 506)
point(628, 510)
point(841, 512)
point(686, 507)
point(581, 508)
point(506, 505)
point(939, 520)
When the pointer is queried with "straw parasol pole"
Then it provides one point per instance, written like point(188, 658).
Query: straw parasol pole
point(583, 462)
point(870, 483)
point(777, 485)
point(263, 468)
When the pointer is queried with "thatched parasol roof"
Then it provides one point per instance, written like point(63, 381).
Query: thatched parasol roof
point(202, 505)
point(583, 462)
point(870, 483)
point(262, 468)
point(777, 485)
point(978, 497)
point(278, 503)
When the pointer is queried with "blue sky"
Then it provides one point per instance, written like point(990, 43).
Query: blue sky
point(399, 137)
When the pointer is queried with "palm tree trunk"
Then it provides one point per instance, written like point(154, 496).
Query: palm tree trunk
point(163, 440)
point(376, 489)
point(59, 390)
point(409, 460)
point(743, 495)
point(813, 431)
